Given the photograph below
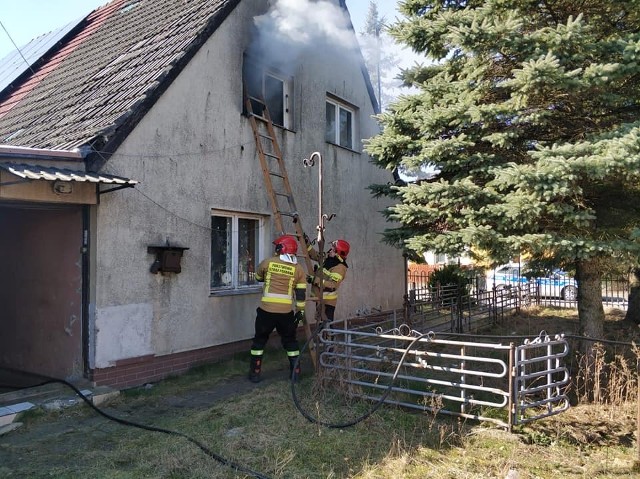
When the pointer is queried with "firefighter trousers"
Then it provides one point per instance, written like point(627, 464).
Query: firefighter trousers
point(283, 323)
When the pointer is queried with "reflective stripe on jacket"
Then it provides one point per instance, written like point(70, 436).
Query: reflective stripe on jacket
point(332, 277)
point(283, 282)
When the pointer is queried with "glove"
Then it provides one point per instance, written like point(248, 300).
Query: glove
point(309, 279)
point(298, 317)
point(307, 241)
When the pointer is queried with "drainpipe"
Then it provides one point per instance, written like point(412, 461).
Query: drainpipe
point(85, 291)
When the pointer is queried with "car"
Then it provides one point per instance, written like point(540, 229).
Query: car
point(558, 284)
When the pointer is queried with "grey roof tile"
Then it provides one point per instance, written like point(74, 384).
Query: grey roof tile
point(117, 62)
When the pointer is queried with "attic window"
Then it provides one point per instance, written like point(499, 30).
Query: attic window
point(341, 119)
point(271, 88)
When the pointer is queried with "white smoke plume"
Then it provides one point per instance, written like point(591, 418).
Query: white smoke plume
point(308, 22)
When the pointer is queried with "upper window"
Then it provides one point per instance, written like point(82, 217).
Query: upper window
point(266, 86)
point(341, 124)
point(235, 240)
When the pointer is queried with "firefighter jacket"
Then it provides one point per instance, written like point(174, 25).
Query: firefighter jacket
point(284, 284)
point(334, 270)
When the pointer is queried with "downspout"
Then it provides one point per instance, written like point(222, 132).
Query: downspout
point(85, 290)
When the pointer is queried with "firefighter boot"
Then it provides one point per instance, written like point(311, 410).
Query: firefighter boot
point(255, 368)
point(294, 368)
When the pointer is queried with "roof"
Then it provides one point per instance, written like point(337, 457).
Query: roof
point(96, 78)
point(13, 65)
point(100, 80)
point(32, 172)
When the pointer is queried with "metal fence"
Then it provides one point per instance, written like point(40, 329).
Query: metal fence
point(426, 356)
point(459, 310)
point(539, 291)
point(382, 358)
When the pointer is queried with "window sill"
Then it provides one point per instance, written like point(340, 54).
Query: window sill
point(275, 125)
point(344, 147)
point(236, 292)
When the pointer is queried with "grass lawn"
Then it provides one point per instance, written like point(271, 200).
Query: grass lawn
point(259, 428)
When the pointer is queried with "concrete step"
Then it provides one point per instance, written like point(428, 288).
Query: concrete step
point(52, 396)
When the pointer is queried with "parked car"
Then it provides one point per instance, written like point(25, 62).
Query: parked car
point(558, 284)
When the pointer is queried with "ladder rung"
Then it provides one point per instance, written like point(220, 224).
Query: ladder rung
point(273, 173)
point(268, 137)
point(287, 195)
point(257, 100)
point(293, 214)
point(270, 155)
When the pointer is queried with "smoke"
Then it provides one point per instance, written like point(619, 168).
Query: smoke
point(305, 22)
point(293, 27)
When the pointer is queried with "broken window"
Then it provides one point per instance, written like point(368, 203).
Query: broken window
point(267, 87)
point(340, 123)
point(235, 241)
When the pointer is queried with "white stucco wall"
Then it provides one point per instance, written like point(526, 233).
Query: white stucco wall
point(194, 152)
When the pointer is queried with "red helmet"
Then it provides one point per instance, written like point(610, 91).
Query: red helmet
point(341, 247)
point(286, 244)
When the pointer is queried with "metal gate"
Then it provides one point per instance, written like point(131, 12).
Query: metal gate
point(540, 378)
point(506, 384)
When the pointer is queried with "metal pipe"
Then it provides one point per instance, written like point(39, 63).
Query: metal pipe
point(309, 162)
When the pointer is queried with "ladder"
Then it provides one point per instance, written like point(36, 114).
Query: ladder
point(278, 188)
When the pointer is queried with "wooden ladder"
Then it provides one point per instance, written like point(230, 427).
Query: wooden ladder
point(278, 188)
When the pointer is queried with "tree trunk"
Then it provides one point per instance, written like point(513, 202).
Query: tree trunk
point(590, 309)
point(591, 317)
point(633, 310)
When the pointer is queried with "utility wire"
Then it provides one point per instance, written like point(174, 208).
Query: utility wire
point(18, 49)
point(173, 154)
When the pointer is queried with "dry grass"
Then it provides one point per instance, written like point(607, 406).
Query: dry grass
point(262, 430)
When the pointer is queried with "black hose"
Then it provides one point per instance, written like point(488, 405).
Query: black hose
point(205, 449)
point(370, 412)
point(379, 403)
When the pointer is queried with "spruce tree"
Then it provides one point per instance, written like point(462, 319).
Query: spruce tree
point(379, 60)
point(530, 115)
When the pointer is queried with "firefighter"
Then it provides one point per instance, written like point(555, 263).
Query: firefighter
point(334, 269)
point(284, 286)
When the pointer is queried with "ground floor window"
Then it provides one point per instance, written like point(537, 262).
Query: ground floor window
point(235, 240)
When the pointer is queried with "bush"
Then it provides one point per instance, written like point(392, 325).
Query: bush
point(451, 281)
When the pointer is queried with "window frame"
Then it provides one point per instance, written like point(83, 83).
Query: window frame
point(340, 105)
point(254, 68)
point(235, 287)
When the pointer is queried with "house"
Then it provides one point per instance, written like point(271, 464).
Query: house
point(132, 203)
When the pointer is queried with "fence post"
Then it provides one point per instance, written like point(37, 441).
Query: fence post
point(459, 310)
point(512, 389)
point(638, 411)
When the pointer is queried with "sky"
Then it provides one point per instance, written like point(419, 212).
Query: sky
point(25, 20)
